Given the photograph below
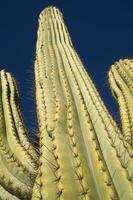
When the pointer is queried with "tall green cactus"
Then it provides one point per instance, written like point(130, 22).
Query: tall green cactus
point(82, 153)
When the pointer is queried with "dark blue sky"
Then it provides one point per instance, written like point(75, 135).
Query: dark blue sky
point(102, 32)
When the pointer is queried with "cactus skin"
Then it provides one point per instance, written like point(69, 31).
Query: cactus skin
point(82, 152)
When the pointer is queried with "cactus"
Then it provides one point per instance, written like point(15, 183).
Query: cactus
point(82, 154)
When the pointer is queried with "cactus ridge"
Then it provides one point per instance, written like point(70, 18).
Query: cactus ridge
point(82, 154)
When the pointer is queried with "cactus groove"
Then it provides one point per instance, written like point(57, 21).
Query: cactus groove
point(82, 154)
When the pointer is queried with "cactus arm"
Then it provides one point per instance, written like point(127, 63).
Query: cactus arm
point(15, 177)
point(8, 163)
point(12, 135)
point(121, 79)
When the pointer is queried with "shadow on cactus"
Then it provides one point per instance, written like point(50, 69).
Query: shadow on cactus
point(82, 153)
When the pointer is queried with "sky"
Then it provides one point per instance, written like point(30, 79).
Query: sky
point(101, 31)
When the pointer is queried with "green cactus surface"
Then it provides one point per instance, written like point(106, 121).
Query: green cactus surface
point(82, 154)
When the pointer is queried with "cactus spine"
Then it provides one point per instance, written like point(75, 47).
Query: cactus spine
point(82, 152)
